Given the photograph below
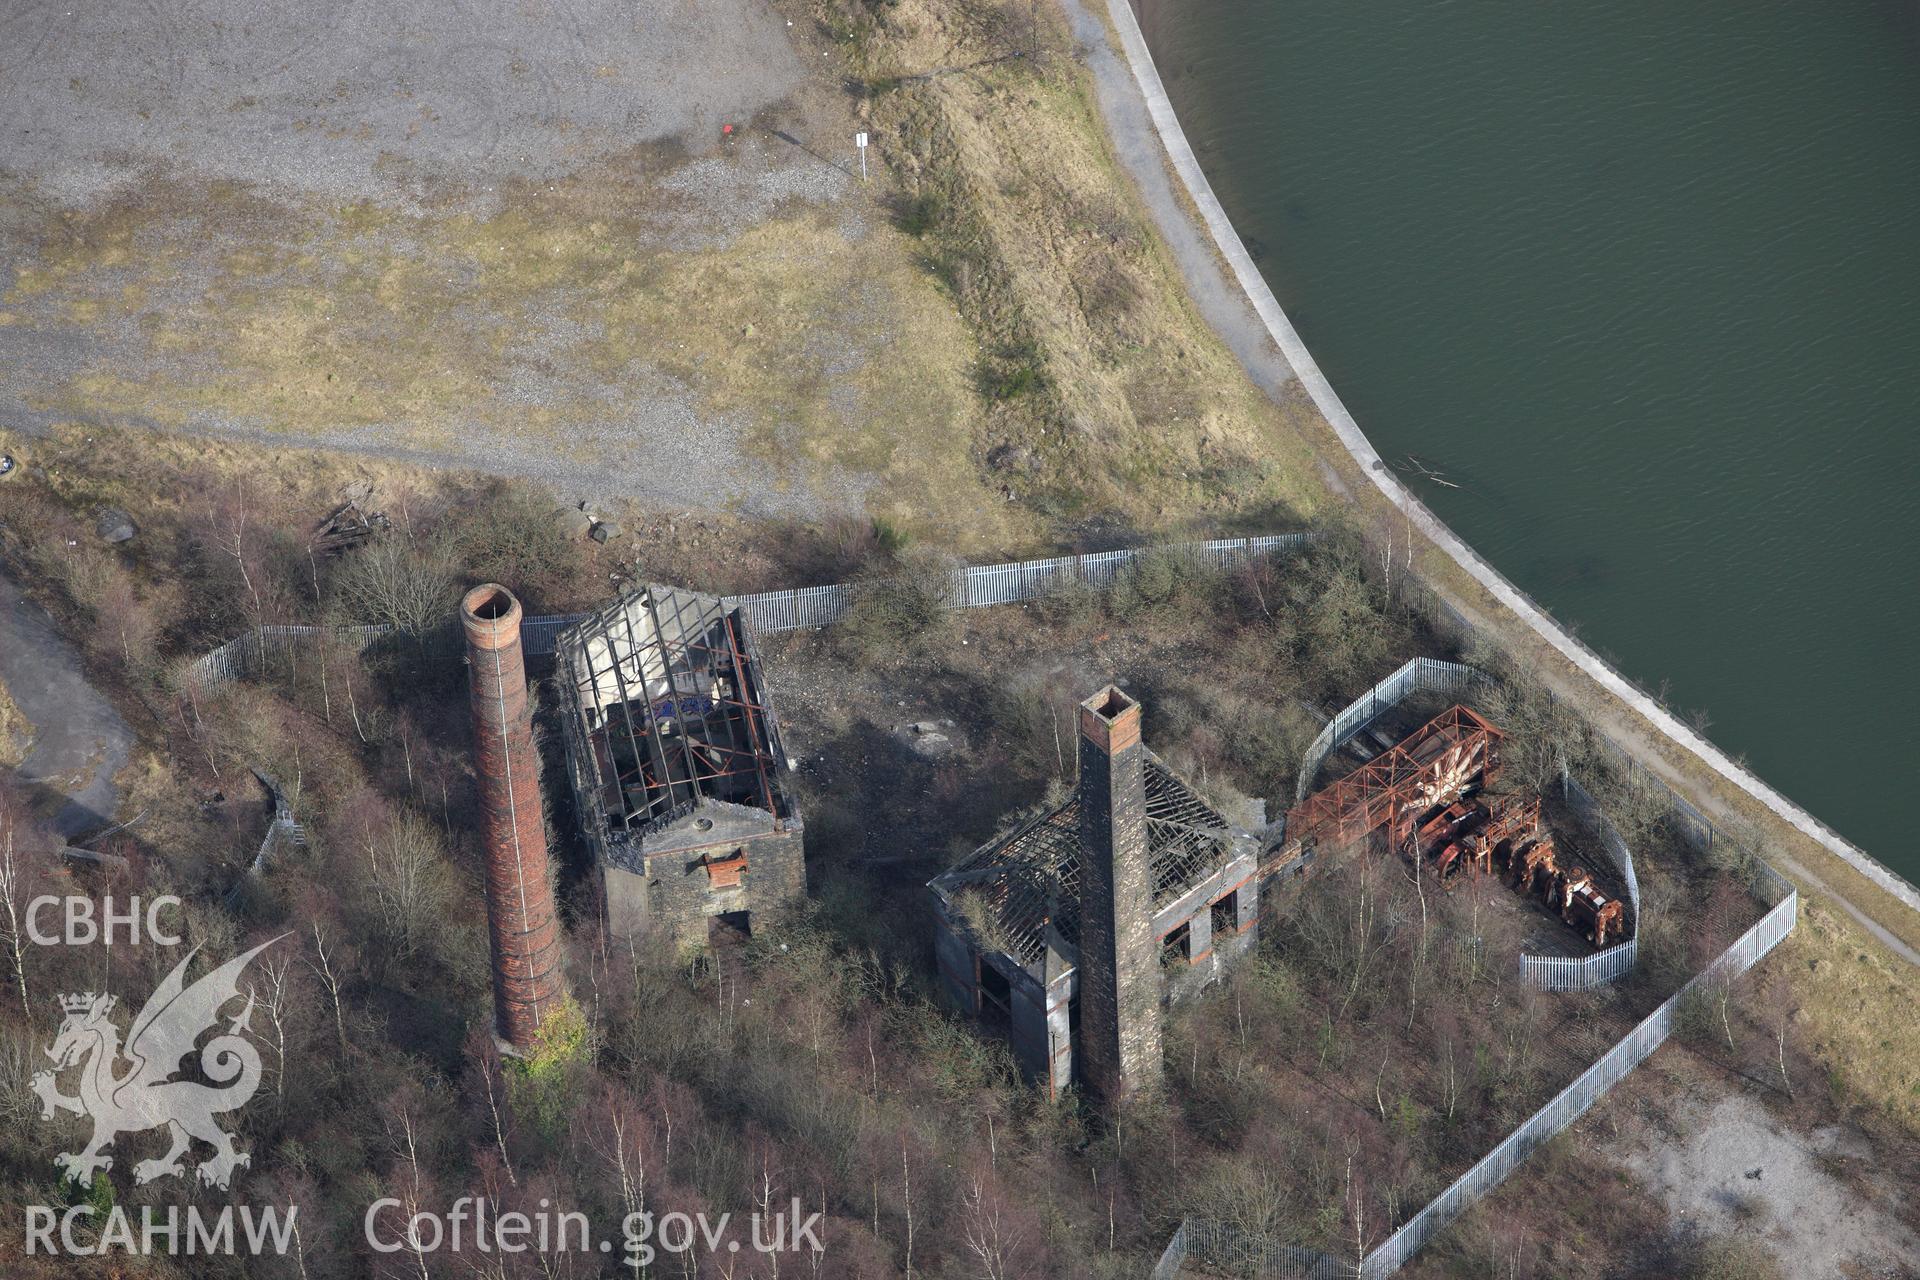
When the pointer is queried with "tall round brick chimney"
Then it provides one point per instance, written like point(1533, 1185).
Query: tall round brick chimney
point(520, 920)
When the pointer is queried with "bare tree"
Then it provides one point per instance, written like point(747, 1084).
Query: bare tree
point(233, 542)
point(410, 880)
point(1780, 1045)
point(414, 1197)
point(493, 1084)
point(629, 1155)
point(990, 1237)
point(272, 997)
point(402, 580)
point(1355, 1194)
point(1364, 912)
point(14, 892)
point(1420, 947)
point(1724, 992)
point(329, 980)
point(20, 1106)
point(906, 1199)
point(763, 1196)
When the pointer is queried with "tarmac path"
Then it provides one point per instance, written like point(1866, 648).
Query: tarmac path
point(79, 741)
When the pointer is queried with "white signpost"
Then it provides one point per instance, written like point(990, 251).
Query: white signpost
point(860, 141)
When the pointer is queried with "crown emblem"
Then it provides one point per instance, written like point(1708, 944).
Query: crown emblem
point(78, 1002)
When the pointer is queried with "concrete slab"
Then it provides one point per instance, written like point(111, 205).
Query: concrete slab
point(79, 742)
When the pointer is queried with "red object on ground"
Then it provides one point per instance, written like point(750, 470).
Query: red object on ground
point(725, 873)
point(1450, 755)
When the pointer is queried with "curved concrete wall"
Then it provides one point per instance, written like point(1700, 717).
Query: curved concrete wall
point(1227, 240)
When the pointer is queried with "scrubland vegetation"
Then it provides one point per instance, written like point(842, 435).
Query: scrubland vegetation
point(1375, 1048)
point(1319, 1095)
point(1103, 394)
point(814, 1064)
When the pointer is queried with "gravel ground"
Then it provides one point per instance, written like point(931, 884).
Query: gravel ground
point(1731, 1170)
point(362, 99)
point(429, 109)
point(79, 742)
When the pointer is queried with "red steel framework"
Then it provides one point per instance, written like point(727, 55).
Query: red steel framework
point(1432, 766)
point(723, 750)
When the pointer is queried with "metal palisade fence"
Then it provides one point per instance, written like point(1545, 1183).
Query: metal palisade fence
point(1220, 1245)
point(1212, 1243)
point(1431, 675)
point(1174, 1256)
point(1195, 1238)
point(1580, 973)
point(252, 651)
point(796, 609)
point(1572, 1102)
point(981, 585)
point(1225, 1249)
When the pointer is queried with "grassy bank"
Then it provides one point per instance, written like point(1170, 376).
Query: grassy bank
point(986, 344)
point(1106, 394)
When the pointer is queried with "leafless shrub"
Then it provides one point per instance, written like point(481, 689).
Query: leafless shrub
point(405, 581)
point(410, 881)
point(508, 533)
point(899, 607)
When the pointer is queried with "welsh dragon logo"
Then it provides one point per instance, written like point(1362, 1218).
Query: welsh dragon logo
point(143, 1095)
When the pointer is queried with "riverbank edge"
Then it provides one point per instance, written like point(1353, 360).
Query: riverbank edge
point(1226, 240)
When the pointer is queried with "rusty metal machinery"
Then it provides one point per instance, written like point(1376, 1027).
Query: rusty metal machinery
point(1587, 908)
point(1536, 868)
point(1445, 759)
point(1428, 793)
point(1513, 824)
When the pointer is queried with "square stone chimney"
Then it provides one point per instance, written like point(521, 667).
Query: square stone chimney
point(1120, 979)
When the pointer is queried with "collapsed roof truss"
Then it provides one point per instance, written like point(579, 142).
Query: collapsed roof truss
point(1032, 875)
point(668, 694)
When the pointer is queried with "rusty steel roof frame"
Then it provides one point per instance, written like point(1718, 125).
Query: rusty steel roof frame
point(676, 770)
point(1030, 876)
point(1384, 791)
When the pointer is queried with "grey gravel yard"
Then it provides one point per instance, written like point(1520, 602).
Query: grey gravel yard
point(512, 239)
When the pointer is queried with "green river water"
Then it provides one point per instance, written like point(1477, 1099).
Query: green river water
point(1642, 279)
